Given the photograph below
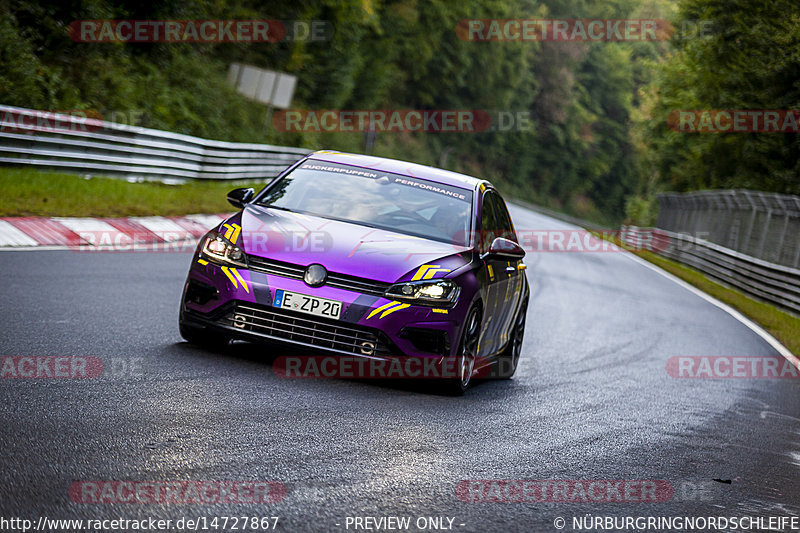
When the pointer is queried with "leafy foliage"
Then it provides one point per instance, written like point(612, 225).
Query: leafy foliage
point(599, 138)
point(747, 59)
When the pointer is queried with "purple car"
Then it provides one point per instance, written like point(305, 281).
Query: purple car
point(368, 257)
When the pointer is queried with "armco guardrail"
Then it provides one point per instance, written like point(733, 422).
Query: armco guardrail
point(771, 282)
point(89, 146)
point(759, 224)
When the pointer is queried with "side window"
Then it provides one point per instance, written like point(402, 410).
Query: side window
point(504, 224)
point(488, 229)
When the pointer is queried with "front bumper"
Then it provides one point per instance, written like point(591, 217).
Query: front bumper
point(240, 303)
point(249, 321)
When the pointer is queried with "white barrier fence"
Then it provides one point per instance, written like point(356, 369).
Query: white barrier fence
point(774, 283)
point(90, 146)
point(758, 224)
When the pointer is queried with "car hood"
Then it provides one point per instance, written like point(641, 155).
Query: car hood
point(344, 247)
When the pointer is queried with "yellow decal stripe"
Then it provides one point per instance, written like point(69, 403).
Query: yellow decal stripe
point(428, 271)
point(491, 271)
point(393, 309)
point(443, 311)
point(239, 277)
point(433, 271)
point(236, 230)
point(421, 272)
point(381, 308)
point(227, 272)
point(202, 262)
point(232, 232)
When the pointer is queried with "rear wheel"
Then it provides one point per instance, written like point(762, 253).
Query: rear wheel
point(467, 354)
point(506, 364)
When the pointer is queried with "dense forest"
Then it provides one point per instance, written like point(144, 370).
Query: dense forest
point(599, 144)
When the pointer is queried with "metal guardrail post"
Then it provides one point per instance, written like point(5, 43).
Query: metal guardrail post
point(796, 201)
point(760, 251)
point(746, 242)
point(782, 237)
point(686, 213)
point(797, 250)
point(733, 226)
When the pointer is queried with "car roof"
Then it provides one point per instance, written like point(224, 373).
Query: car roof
point(405, 168)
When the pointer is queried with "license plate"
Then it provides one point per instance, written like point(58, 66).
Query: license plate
point(308, 304)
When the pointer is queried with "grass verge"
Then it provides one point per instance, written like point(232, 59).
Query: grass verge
point(31, 192)
point(780, 324)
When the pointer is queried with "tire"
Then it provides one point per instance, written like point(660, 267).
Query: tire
point(202, 337)
point(507, 362)
point(467, 353)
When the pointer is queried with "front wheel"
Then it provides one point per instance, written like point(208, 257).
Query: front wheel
point(467, 354)
point(506, 364)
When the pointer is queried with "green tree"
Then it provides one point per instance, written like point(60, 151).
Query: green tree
point(748, 59)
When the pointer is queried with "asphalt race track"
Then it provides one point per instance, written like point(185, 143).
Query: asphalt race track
point(592, 400)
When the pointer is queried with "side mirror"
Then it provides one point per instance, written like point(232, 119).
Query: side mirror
point(506, 249)
point(239, 197)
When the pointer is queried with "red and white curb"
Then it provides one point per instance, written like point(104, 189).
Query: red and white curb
point(125, 234)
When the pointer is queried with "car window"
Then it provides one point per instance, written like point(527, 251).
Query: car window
point(489, 224)
point(375, 198)
point(504, 224)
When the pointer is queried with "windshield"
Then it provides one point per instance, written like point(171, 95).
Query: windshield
point(374, 198)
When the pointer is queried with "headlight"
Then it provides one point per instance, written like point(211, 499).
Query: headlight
point(218, 249)
point(439, 293)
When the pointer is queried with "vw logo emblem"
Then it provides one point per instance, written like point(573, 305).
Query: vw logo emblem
point(315, 275)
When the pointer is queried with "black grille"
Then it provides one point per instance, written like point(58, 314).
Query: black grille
point(200, 293)
point(305, 329)
point(276, 268)
point(427, 340)
point(340, 281)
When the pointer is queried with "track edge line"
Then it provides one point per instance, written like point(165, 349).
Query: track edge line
point(757, 329)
